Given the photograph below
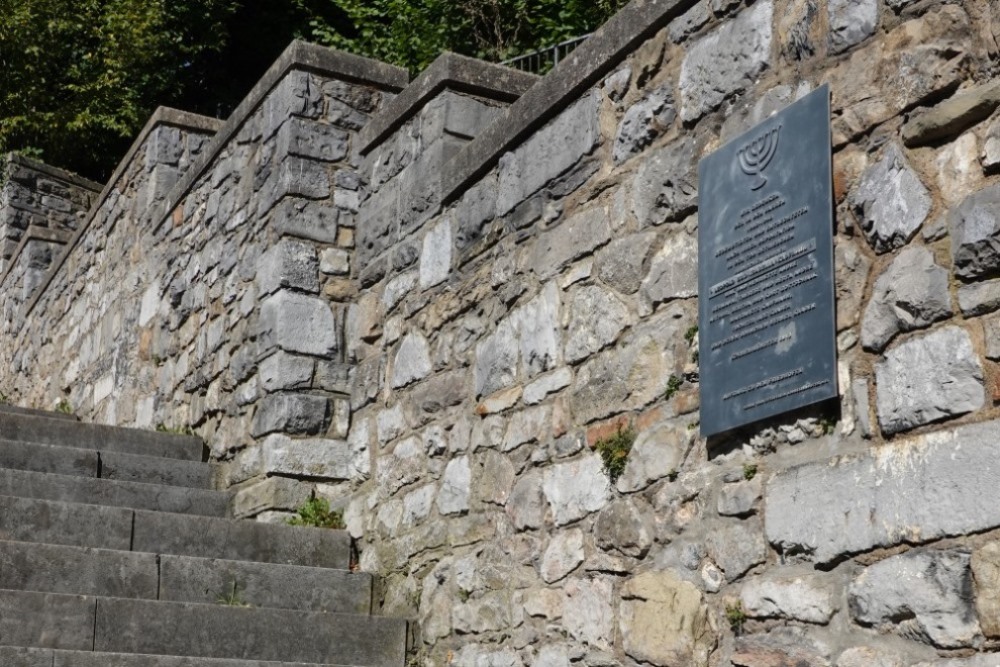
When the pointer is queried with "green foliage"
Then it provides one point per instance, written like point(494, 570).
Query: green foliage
point(4, 398)
point(64, 406)
point(316, 513)
point(674, 383)
point(232, 598)
point(691, 333)
point(736, 617)
point(614, 451)
point(749, 471)
point(828, 425)
point(174, 430)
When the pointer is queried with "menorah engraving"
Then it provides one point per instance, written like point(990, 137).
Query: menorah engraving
point(756, 155)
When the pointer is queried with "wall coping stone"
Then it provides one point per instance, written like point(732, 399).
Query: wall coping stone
point(54, 172)
point(448, 71)
point(162, 116)
point(583, 68)
point(298, 55)
point(34, 233)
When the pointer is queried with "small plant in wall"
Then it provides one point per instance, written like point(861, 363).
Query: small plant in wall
point(316, 513)
point(64, 407)
point(674, 383)
point(736, 617)
point(614, 451)
point(231, 598)
point(749, 471)
point(174, 430)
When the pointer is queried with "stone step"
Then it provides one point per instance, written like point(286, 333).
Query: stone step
point(113, 493)
point(48, 568)
point(102, 527)
point(115, 625)
point(13, 656)
point(67, 433)
point(63, 460)
point(6, 408)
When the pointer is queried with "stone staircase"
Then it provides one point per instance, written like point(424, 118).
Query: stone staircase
point(115, 551)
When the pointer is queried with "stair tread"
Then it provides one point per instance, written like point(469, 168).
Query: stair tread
point(116, 625)
point(112, 493)
point(16, 656)
point(84, 462)
point(54, 431)
point(18, 410)
point(49, 568)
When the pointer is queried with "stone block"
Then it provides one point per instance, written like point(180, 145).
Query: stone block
point(643, 123)
point(306, 219)
point(922, 595)
point(597, 319)
point(455, 487)
point(665, 188)
point(576, 489)
point(47, 620)
point(334, 261)
point(313, 140)
point(979, 298)
point(298, 323)
point(851, 22)
point(673, 273)
point(808, 599)
point(291, 413)
point(588, 615)
point(975, 234)
point(575, 237)
point(625, 527)
point(435, 257)
point(890, 201)
point(911, 294)
point(282, 371)
point(289, 263)
point(925, 487)
point(985, 565)
point(412, 361)
point(563, 555)
point(726, 61)
point(928, 378)
point(953, 116)
point(665, 621)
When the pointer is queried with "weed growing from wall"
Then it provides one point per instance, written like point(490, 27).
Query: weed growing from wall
point(316, 513)
point(614, 451)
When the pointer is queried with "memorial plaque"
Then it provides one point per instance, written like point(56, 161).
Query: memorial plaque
point(767, 327)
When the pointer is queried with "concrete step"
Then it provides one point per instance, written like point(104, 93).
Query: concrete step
point(113, 493)
point(13, 656)
point(102, 527)
point(115, 625)
point(67, 433)
point(63, 460)
point(49, 568)
point(219, 631)
point(6, 408)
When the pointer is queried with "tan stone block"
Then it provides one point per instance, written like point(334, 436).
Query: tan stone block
point(664, 621)
point(986, 572)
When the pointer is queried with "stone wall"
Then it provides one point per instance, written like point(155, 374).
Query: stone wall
point(520, 289)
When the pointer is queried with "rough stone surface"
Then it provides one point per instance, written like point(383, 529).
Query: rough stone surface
point(808, 599)
point(737, 547)
point(726, 61)
point(298, 323)
point(931, 377)
point(656, 453)
point(990, 156)
point(412, 362)
point(666, 185)
point(588, 614)
point(986, 573)
point(435, 259)
point(979, 298)
point(738, 499)
point(867, 656)
point(563, 555)
point(952, 116)
point(664, 621)
point(923, 595)
point(853, 268)
point(455, 487)
point(575, 237)
point(890, 201)
point(623, 527)
point(975, 234)
point(619, 265)
point(673, 274)
point(643, 122)
point(911, 294)
point(851, 22)
point(576, 489)
point(598, 317)
point(925, 487)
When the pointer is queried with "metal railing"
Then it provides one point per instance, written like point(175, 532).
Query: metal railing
point(543, 60)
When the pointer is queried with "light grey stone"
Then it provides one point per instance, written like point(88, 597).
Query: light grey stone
point(417, 504)
point(494, 478)
point(404, 466)
point(809, 599)
point(526, 426)
point(739, 498)
point(991, 332)
point(852, 268)
point(890, 201)
point(920, 595)
point(851, 22)
point(435, 258)
point(689, 22)
point(538, 328)
point(390, 423)
point(975, 234)
point(412, 362)
point(925, 487)
point(496, 358)
point(990, 156)
point(657, 453)
point(673, 274)
point(526, 505)
point(862, 406)
point(575, 237)
point(911, 294)
point(306, 219)
point(289, 263)
point(334, 261)
point(665, 188)
point(552, 151)
point(306, 457)
point(397, 288)
point(309, 139)
point(622, 527)
point(982, 660)
point(726, 61)
point(298, 323)
point(455, 487)
point(616, 85)
point(291, 413)
point(562, 556)
point(597, 317)
point(643, 122)
point(588, 614)
point(869, 656)
point(924, 379)
point(551, 655)
point(737, 547)
point(550, 383)
point(979, 298)
point(576, 489)
point(285, 371)
point(620, 264)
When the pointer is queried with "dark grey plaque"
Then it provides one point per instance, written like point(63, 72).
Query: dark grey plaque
point(767, 329)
